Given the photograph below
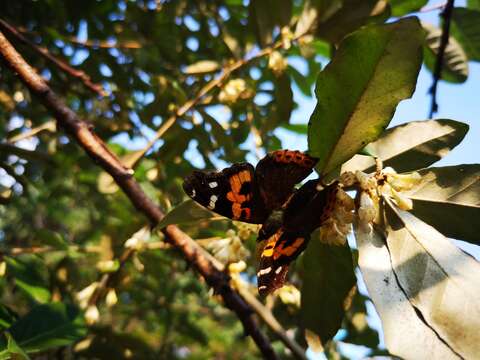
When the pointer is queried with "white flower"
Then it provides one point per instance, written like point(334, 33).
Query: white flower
point(234, 90)
point(111, 298)
point(277, 63)
point(84, 295)
point(137, 241)
point(92, 315)
point(289, 295)
point(335, 229)
point(228, 250)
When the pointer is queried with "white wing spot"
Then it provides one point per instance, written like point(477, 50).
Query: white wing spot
point(262, 287)
point(264, 271)
point(278, 270)
point(213, 184)
point(213, 200)
point(194, 193)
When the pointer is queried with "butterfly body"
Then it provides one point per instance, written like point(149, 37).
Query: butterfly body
point(266, 195)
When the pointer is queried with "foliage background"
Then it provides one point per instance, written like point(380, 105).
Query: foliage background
point(57, 200)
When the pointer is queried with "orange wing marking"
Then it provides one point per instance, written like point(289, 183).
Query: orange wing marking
point(289, 250)
point(236, 182)
point(268, 250)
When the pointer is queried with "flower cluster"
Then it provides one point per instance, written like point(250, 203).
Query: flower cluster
point(234, 90)
point(229, 249)
point(384, 184)
point(335, 229)
point(277, 63)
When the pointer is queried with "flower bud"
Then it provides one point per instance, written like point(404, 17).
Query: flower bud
point(111, 298)
point(92, 315)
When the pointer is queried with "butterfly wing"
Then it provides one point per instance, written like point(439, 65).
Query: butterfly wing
point(279, 172)
point(305, 211)
point(279, 251)
point(231, 193)
point(310, 206)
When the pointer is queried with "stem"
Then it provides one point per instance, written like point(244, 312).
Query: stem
point(437, 73)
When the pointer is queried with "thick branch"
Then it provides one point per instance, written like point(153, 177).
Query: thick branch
point(78, 74)
point(437, 73)
point(97, 150)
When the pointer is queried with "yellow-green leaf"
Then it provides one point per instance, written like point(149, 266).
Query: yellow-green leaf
point(373, 70)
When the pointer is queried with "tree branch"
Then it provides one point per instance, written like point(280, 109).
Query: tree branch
point(78, 74)
point(437, 73)
point(96, 149)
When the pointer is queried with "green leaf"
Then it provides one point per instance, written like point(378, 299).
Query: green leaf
point(7, 317)
point(315, 12)
point(351, 15)
point(13, 351)
point(283, 106)
point(328, 282)
point(48, 326)
point(448, 198)
point(301, 129)
point(373, 70)
point(52, 238)
point(300, 80)
point(219, 134)
point(186, 212)
point(473, 4)
point(411, 146)
point(438, 278)
point(403, 7)
point(406, 334)
point(264, 15)
point(465, 27)
point(455, 61)
point(31, 275)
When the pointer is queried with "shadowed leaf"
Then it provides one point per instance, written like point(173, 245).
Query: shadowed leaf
point(455, 61)
point(448, 198)
point(438, 278)
point(406, 334)
point(328, 283)
point(7, 317)
point(372, 71)
point(403, 7)
point(188, 211)
point(12, 351)
point(30, 274)
point(48, 326)
point(351, 15)
point(411, 146)
point(264, 15)
point(465, 27)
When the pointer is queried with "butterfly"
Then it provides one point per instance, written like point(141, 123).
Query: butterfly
point(266, 195)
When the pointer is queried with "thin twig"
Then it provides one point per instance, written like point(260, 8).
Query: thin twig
point(266, 315)
point(437, 73)
point(49, 125)
point(75, 73)
point(105, 44)
point(97, 150)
